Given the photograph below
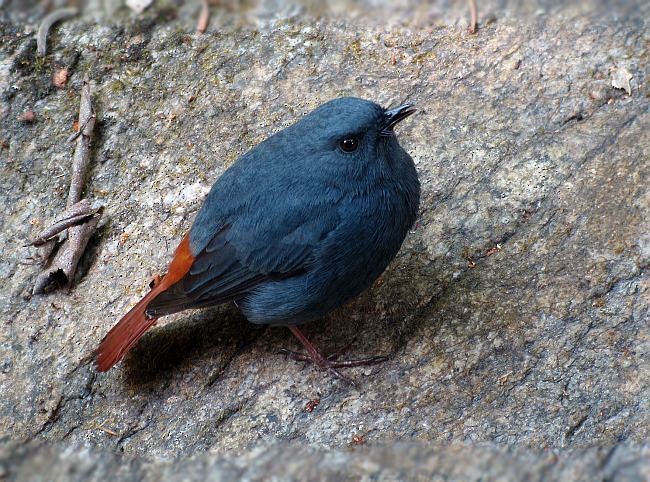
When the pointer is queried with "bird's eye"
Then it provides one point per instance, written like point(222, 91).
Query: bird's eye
point(349, 144)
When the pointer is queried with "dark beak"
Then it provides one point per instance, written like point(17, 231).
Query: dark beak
point(393, 116)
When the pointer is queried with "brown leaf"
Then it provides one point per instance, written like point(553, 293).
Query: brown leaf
point(60, 78)
point(27, 117)
point(312, 404)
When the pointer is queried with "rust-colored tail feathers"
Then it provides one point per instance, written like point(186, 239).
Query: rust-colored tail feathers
point(125, 334)
point(135, 323)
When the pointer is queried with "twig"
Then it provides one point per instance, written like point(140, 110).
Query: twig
point(103, 428)
point(45, 251)
point(74, 215)
point(63, 266)
point(47, 22)
point(473, 11)
point(67, 258)
point(82, 150)
point(204, 17)
point(108, 431)
point(74, 135)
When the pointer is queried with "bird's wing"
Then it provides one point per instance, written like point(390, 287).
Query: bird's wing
point(263, 219)
point(241, 256)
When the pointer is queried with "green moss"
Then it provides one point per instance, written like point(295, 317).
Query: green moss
point(116, 86)
point(40, 64)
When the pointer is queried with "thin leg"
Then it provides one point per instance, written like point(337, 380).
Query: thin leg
point(328, 363)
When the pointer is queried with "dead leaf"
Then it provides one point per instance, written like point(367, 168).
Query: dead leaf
point(312, 404)
point(27, 117)
point(138, 6)
point(358, 440)
point(621, 79)
point(495, 249)
point(60, 78)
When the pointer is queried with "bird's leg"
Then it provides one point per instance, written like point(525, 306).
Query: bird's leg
point(328, 364)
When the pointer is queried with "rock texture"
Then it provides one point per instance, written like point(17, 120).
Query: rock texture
point(516, 314)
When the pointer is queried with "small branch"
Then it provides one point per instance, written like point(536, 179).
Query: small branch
point(45, 251)
point(108, 431)
point(47, 22)
point(79, 219)
point(473, 11)
point(71, 216)
point(73, 137)
point(204, 17)
point(64, 264)
point(82, 151)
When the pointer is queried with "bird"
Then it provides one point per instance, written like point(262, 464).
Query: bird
point(300, 224)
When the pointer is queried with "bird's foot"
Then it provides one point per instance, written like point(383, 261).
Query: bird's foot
point(330, 363)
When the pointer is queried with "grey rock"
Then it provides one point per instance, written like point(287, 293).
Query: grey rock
point(293, 461)
point(516, 313)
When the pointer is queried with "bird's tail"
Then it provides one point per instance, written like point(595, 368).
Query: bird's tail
point(125, 333)
point(135, 323)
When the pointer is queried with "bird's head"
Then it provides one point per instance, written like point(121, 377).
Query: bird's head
point(351, 126)
point(347, 129)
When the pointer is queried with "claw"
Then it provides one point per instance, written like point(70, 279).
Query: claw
point(329, 363)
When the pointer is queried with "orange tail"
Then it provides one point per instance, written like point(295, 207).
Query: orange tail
point(135, 323)
point(125, 334)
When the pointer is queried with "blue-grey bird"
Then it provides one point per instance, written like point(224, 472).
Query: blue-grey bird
point(300, 224)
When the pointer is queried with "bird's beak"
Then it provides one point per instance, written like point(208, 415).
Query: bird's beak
point(393, 116)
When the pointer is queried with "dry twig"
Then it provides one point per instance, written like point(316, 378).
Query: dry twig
point(47, 22)
point(474, 17)
point(82, 150)
point(74, 215)
point(204, 17)
point(79, 219)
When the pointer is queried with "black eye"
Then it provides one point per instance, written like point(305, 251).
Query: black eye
point(349, 144)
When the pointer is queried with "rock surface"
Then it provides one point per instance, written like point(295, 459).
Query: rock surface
point(516, 314)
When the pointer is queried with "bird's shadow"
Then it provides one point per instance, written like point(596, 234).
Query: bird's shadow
point(206, 334)
point(223, 333)
point(361, 328)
